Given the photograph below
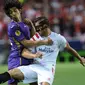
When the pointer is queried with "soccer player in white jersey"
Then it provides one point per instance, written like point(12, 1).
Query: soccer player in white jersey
point(43, 69)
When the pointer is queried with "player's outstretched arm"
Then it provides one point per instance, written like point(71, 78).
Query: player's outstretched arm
point(27, 54)
point(31, 43)
point(75, 53)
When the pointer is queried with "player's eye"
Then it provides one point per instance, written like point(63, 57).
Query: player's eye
point(10, 12)
point(15, 10)
point(40, 28)
point(45, 26)
point(37, 29)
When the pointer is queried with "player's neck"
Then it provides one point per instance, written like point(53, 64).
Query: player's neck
point(19, 19)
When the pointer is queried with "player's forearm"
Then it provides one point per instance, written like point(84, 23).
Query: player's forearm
point(30, 43)
point(74, 53)
point(40, 42)
point(27, 54)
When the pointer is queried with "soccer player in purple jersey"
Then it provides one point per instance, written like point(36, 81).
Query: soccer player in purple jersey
point(19, 35)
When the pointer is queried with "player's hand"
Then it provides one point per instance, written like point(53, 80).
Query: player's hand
point(49, 41)
point(38, 55)
point(27, 21)
point(82, 61)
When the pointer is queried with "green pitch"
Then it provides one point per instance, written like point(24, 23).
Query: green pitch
point(66, 74)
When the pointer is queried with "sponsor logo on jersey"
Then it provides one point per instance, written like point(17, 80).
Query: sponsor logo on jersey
point(47, 50)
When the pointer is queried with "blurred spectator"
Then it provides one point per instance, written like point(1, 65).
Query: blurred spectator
point(3, 26)
point(30, 12)
point(66, 17)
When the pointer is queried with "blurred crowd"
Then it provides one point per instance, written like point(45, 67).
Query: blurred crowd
point(66, 17)
point(69, 18)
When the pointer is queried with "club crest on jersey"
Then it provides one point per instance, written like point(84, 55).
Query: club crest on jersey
point(17, 33)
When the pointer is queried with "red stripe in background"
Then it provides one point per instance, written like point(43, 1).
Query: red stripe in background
point(37, 35)
point(33, 38)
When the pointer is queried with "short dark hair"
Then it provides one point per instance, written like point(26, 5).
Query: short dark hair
point(41, 22)
point(10, 4)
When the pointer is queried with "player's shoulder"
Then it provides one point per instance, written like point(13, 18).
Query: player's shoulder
point(56, 35)
point(12, 25)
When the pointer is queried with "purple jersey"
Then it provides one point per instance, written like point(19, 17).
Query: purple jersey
point(16, 33)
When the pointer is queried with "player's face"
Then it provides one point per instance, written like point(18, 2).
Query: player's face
point(42, 30)
point(15, 13)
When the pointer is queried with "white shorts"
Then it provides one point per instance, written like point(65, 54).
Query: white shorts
point(38, 73)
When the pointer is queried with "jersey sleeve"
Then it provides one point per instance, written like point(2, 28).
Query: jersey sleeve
point(17, 33)
point(62, 42)
point(36, 37)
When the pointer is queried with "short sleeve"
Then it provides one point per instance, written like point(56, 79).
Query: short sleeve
point(62, 42)
point(17, 33)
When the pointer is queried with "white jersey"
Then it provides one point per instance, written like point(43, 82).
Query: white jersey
point(46, 65)
point(50, 52)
